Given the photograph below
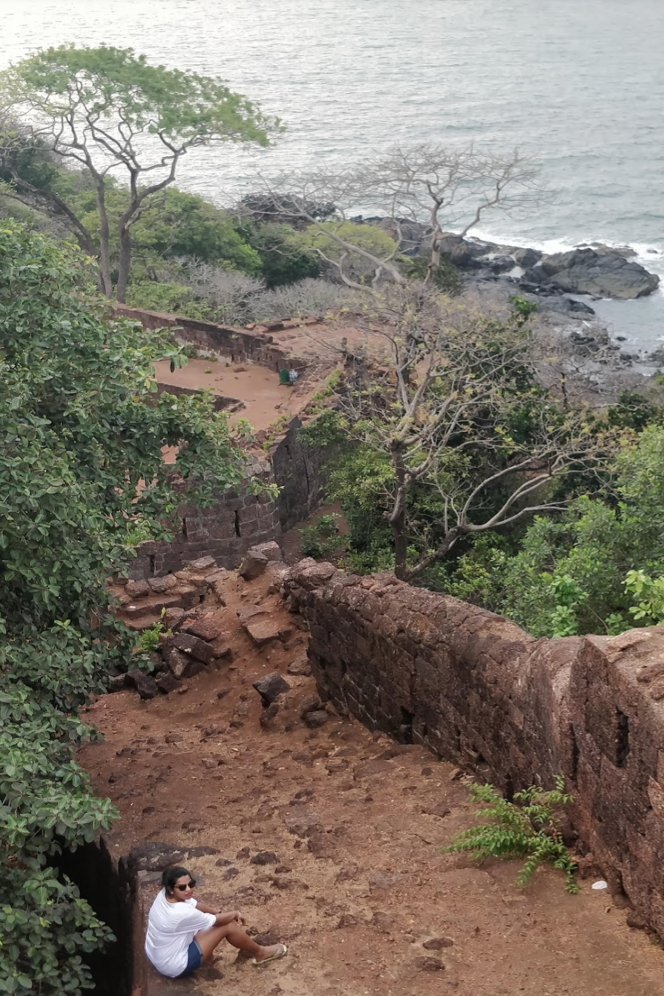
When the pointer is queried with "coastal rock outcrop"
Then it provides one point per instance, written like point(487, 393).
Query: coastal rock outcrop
point(600, 273)
point(595, 269)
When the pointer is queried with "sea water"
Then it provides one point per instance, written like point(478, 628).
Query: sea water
point(578, 84)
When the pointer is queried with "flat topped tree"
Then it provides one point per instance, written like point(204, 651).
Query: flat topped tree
point(109, 111)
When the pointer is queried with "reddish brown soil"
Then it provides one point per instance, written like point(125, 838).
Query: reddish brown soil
point(265, 399)
point(356, 899)
point(321, 345)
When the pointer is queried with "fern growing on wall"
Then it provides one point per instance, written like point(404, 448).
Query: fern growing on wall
point(527, 828)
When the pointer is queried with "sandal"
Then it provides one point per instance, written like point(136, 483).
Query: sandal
point(274, 957)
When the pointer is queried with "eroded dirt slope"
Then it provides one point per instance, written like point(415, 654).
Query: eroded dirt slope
point(353, 879)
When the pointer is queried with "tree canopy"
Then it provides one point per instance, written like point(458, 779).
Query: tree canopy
point(454, 433)
point(81, 433)
point(110, 112)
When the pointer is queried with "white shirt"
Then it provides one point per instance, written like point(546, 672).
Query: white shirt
point(171, 929)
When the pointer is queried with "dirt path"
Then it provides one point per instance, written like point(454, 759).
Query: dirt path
point(357, 885)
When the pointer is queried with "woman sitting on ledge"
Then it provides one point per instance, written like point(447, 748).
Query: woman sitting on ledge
point(182, 933)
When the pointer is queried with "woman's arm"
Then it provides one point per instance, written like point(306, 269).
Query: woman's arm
point(222, 917)
point(206, 909)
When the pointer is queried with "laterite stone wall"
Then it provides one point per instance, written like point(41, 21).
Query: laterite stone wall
point(479, 691)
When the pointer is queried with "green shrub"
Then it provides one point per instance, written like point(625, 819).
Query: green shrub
point(283, 260)
point(447, 278)
point(648, 609)
point(321, 538)
point(169, 297)
point(527, 828)
point(81, 477)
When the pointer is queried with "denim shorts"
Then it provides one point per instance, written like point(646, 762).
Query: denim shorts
point(194, 959)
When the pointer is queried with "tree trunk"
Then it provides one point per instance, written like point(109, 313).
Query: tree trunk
point(400, 546)
point(440, 553)
point(124, 264)
point(83, 236)
point(436, 235)
point(434, 262)
point(397, 517)
point(105, 282)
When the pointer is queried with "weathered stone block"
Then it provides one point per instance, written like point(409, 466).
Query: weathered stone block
point(193, 646)
point(205, 628)
point(253, 564)
point(161, 585)
point(178, 663)
point(262, 631)
point(271, 686)
point(201, 564)
point(271, 550)
point(137, 589)
point(145, 684)
point(167, 683)
point(172, 618)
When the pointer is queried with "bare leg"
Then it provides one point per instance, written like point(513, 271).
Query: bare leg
point(235, 935)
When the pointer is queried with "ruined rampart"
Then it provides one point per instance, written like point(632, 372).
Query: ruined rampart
point(233, 343)
point(479, 691)
point(236, 522)
point(226, 529)
point(219, 402)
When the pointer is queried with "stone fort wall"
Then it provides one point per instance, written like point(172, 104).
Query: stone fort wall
point(234, 343)
point(238, 521)
point(479, 691)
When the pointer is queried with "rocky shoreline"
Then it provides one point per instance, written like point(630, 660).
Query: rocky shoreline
point(492, 272)
point(595, 269)
point(598, 364)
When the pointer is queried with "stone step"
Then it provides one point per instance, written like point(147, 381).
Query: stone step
point(184, 598)
point(140, 623)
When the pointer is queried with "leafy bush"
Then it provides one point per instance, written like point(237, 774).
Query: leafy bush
point(594, 568)
point(80, 429)
point(529, 829)
point(364, 236)
point(184, 224)
point(169, 297)
point(447, 277)
point(149, 640)
point(321, 538)
point(648, 609)
point(283, 261)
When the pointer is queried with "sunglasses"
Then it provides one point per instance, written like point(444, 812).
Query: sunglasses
point(190, 885)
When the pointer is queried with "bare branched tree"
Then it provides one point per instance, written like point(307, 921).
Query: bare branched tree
point(436, 189)
point(456, 410)
point(452, 189)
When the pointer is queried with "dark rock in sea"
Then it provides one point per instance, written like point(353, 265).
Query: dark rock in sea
point(577, 307)
point(593, 268)
point(591, 342)
point(603, 250)
point(656, 358)
point(501, 264)
point(605, 274)
point(527, 257)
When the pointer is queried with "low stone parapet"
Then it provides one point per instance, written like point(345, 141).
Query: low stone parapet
point(479, 691)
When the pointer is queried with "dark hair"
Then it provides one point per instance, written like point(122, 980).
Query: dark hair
point(171, 875)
